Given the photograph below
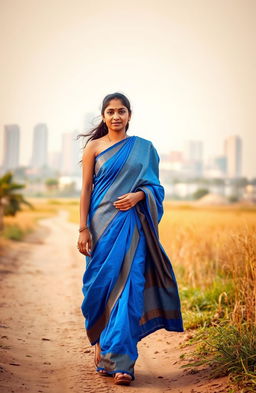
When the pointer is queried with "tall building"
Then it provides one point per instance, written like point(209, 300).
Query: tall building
point(220, 163)
point(193, 151)
point(193, 157)
point(11, 146)
point(233, 153)
point(39, 157)
point(54, 160)
point(71, 154)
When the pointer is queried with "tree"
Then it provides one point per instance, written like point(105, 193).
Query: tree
point(200, 193)
point(52, 185)
point(10, 201)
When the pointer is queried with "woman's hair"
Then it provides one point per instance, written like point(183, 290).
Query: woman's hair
point(101, 129)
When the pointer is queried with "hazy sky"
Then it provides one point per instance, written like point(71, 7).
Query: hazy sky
point(187, 66)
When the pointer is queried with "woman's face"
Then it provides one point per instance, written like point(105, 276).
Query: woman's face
point(116, 115)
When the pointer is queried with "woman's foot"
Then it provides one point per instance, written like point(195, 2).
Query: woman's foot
point(122, 379)
point(97, 359)
point(97, 354)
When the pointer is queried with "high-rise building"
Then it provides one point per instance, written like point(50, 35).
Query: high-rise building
point(193, 151)
point(11, 146)
point(220, 163)
point(54, 160)
point(193, 157)
point(233, 153)
point(39, 157)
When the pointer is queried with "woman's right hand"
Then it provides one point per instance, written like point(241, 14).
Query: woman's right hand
point(84, 242)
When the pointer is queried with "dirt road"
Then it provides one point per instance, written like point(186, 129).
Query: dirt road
point(43, 344)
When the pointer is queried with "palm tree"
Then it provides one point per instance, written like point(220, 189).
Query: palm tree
point(10, 201)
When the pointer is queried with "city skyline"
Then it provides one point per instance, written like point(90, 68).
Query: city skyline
point(188, 69)
point(190, 160)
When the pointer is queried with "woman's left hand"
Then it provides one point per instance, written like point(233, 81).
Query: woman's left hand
point(126, 201)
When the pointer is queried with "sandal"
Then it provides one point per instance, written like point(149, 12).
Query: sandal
point(103, 373)
point(122, 379)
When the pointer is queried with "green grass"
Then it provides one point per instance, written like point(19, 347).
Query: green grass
point(226, 348)
point(229, 351)
point(14, 232)
point(205, 306)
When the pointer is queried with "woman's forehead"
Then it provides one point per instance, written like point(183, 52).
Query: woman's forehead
point(115, 103)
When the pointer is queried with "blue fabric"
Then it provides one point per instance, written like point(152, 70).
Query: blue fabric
point(128, 291)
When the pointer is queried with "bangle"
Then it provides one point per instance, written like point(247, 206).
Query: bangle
point(82, 229)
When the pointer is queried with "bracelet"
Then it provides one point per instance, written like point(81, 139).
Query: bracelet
point(82, 229)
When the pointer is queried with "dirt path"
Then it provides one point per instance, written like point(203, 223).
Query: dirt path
point(43, 345)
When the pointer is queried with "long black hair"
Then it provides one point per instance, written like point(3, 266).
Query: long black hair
point(101, 129)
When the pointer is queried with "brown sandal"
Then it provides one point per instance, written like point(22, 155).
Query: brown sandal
point(122, 379)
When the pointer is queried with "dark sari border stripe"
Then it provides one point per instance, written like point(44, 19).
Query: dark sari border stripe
point(159, 312)
point(152, 206)
point(171, 325)
point(162, 277)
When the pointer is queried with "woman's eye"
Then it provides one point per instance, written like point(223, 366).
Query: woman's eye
point(111, 113)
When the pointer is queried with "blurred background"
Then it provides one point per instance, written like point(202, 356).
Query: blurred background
point(187, 67)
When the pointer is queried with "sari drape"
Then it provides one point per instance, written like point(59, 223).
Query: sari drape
point(129, 285)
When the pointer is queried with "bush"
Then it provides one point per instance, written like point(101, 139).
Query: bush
point(13, 232)
point(229, 350)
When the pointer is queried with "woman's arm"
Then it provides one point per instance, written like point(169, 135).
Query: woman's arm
point(84, 240)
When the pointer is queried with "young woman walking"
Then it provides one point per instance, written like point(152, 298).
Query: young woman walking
point(129, 286)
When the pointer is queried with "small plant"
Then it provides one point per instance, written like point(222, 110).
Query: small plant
point(229, 351)
point(13, 232)
point(10, 199)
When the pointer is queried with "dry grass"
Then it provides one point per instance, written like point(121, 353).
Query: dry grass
point(203, 244)
point(209, 243)
point(213, 252)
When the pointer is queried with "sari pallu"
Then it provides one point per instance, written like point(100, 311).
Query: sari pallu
point(129, 286)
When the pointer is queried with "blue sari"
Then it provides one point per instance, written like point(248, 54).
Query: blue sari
point(129, 286)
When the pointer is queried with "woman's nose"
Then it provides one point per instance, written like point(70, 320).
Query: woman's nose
point(116, 116)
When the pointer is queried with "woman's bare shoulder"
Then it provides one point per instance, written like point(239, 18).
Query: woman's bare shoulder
point(92, 146)
point(96, 145)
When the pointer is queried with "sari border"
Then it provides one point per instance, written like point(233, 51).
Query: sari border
point(156, 254)
point(100, 161)
point(114, 145)
point(150, 201)
point(106, 212)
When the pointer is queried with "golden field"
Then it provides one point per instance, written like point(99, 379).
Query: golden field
point(213, 254)
point(204, 244)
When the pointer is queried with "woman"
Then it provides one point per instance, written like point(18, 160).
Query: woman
point(129, 285)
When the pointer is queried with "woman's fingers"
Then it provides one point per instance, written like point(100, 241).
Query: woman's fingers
point(123, 196)
point(87, 249)
point(84, 248)
point(126, 202)
point(122, 203)
point(90, 244)
point(124, 206)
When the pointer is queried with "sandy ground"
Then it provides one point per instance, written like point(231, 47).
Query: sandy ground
point(43, 345)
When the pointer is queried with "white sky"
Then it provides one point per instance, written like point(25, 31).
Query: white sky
point(187, 66)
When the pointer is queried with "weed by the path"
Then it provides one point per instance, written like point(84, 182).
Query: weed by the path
point(228, 350)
